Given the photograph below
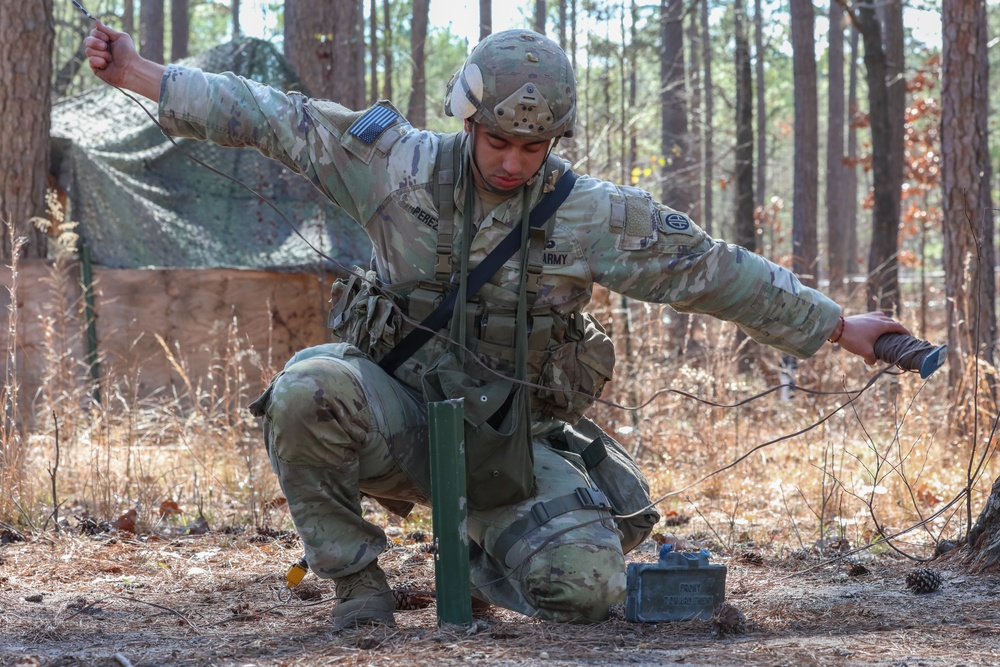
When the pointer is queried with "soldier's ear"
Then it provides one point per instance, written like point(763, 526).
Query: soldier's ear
point(468, 126)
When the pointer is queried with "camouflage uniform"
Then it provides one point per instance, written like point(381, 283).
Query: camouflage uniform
point(339, 426)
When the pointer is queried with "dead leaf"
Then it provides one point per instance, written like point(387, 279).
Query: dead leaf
point(126, 522)
point(169, 508)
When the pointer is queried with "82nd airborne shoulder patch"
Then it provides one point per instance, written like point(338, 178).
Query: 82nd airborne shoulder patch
point(369, 127)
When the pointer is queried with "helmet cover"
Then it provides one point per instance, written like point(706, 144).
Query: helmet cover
point(518, 83)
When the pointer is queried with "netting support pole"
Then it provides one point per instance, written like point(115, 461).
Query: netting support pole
point(90, 313)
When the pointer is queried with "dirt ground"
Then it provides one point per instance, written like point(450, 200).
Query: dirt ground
point(115, 599)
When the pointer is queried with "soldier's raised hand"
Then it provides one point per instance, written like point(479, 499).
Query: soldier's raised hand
point(113, 58)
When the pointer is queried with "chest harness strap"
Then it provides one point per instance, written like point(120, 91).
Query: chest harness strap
point(486, 269)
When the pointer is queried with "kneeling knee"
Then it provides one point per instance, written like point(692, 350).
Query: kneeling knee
point(577, 583)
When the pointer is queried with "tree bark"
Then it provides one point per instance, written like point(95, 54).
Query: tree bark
point(696, 124)
point(890, 15)
point(180, 29)
point(836, 170)
point(324, 42)
point(676, 191)
point(387, 48)
point(540, 16)
point(882, 289)
point(745, 232)
point(758, 40)
point(965, 183)
point(151, 30)
point(804, 203)
point(708, 118)
point(485, 18)
point(26, 40)
point(851, 185)
point(128, 17)
point(984, 537)
point(417, 110)
point(373, 51)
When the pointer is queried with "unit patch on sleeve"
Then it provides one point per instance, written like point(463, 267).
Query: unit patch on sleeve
point(676, 221)
point(369, 127)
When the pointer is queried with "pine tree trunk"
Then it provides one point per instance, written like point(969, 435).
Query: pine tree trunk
point(387, 48)
point(673, 111)
point(26, 39)
point(836, 171)
point(745, 232)
point(151, 24)
point(708, 118)
point(804, 204)
point(373, 51)
point(180, 29)
point(883, 279)
point(758, 40)
point(965, 183)
point(417, 111)
point(984, 538)
point(851, 186)
point(540, 16)
point(485, 18)
point(696, 161)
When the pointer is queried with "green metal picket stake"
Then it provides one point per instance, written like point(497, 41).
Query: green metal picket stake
point(449, 513)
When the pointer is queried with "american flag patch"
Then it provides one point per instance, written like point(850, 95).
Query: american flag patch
point(372, 124)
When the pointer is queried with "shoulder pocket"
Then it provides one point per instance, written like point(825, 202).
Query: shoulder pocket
point(362, 133)
point(633, 218)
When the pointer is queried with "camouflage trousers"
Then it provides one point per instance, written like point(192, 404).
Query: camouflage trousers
point(335, 425)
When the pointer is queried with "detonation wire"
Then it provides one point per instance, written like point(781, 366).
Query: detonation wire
point(909, 354)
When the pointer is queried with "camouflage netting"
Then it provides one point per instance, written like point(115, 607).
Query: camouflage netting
point(141, 202)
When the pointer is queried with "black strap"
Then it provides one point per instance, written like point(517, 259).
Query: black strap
point(437, 320)
point(582, 498)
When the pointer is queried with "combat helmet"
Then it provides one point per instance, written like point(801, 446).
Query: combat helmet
point(516, 82)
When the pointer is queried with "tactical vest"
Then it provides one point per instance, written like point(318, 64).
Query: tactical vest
point(569, 358)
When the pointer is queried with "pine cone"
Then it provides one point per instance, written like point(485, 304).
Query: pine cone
point(923, 580)
point(728, 620)
point(409, 600)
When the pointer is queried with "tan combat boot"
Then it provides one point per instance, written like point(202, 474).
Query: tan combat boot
point(365, 599)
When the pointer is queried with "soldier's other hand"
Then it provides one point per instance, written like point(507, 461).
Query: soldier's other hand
point(862, 330)
point(110, 54)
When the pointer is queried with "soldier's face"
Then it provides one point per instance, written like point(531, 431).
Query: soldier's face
point(506, 162)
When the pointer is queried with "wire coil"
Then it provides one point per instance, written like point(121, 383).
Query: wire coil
point(910, 354)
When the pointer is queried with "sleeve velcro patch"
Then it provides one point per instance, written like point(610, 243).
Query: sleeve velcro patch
point(633, 217)
point(369, 127)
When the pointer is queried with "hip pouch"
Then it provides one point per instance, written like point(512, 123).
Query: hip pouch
point(498, 455)
point(363, 315)
point(574, 372)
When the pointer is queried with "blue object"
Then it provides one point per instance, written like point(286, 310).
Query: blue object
point(933, 361)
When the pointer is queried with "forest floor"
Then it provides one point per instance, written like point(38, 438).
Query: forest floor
point(115, 599)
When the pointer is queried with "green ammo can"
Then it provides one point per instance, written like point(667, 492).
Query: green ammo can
point(680, 587)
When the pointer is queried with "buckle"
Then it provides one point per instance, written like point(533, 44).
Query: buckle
point(592, 498)
point(540, 513)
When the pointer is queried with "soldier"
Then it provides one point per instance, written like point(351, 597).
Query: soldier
point(347, 419)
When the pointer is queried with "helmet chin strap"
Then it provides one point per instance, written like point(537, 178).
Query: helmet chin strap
point(482, 177)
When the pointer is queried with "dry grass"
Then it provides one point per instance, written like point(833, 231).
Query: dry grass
point(882, 463)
